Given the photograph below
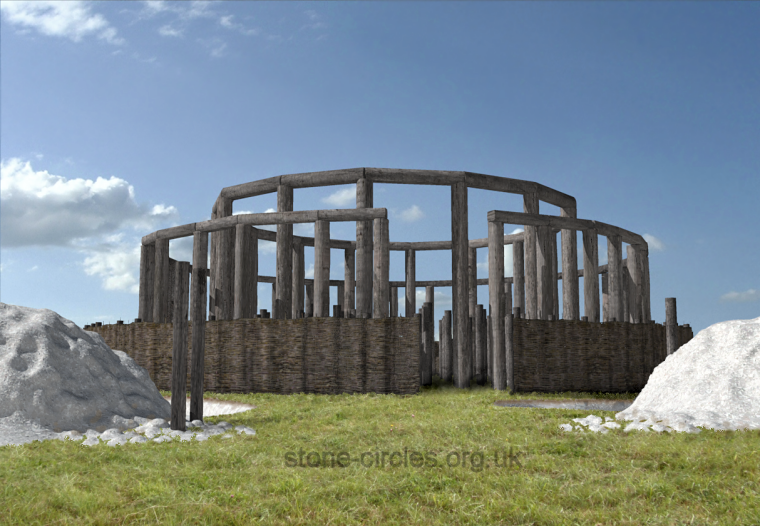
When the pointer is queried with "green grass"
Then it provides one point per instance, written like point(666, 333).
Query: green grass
point(562, 478)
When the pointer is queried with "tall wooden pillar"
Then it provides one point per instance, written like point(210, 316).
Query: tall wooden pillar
point(275, 313)
point(299, 274)
point(459, 270)
point(410, 290)
point(213, 238)
point(285, 253)
point(671, 326)
point(147, 278)
point(321, 269)
point(426, 358)
point(615, 276)
point(364, 250)
point(530, 206)
point(645, 295)
point(590, 275)
point(606, 314)
point(472, 281)
point(635, 267)
point(225, 279)
point(170, 291)
point(161, 283)
point(518, 274)
point(246, 272)
point(309, 307)
point(198, 318)
point(394, 302)
point(507, 297)
point(570, 295)
point(544, 267)
point(179, 346)
point(381, 285)
point(349, 281)
point(341, 295)
point(430, 298)
point(554, 273)
point(495, 293)
point(626, 283)
point(447, 358)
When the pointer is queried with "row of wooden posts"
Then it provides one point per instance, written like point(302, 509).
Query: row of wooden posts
point(367, 291)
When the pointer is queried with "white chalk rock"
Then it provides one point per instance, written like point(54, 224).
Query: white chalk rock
point(64, 378)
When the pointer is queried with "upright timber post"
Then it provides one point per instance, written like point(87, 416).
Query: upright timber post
point(544, 267)
point(225, 279)
point(349, 281)
point(555, 274)
point(246, 272)
point(459, 271)
point(507, 297)
point(570, 295)
point(394, 302)
point(426, 360)
point(410, 290)
point(509, 349)
point(321, 269)
point(299, 275)
point(198, 318)
point(472, 282)
point(430, 298)
point(518, 274)
point(447, 356)
point(147, 278)
point(275, 313)
point(495, 293)
point(179, 346)
point(381, 283)
point(671, 325)
point(590, 275)
point(615, 276)
point(284, 253)
point(161, 283)
point(634, 288)
point(364, 250)
point(170, 290)
point(645, 297)
point(530, 206)
point(481, 346)
point(606, 314)
point(309, 307)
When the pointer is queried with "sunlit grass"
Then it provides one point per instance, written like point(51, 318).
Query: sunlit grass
point(553, 477)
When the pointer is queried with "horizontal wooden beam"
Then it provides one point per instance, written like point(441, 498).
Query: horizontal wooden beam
point(440, 283)
point(169, 233)
point(446, 245)
point(284, 218)
point(407, 176)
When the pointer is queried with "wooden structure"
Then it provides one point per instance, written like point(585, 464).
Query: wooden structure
point(473, 345)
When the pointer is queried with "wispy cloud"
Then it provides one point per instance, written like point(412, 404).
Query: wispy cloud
point(654, 243)
point(169, 31)
point(116, 266)
point(741, 297)
point(73, 20)
point(411, 214)
point(343, 197)
point(42, 209)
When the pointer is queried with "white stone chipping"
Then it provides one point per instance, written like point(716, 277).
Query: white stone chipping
point(712, 382)
point(58, 381)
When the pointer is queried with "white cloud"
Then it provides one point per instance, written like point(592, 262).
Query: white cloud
point(226, 21)
point(73, 19)
point(169, 31)
point(654, 243)
point(33, 268)
point(309, 271)
point(38, 208)
point(343, 197)
point(117, 267)
point(741, 297)
point(411, 214)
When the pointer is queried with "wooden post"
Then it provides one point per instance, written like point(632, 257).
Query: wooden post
point(625, 288)
point(495, 292)
point(147, 278)
point(428, 345)
point(170, 291)
point(341, 296)
point(225, 279)
point(671, 325)
point(606, 314)
point(636, 269)
point(570, 294)
point(507, 297)
point(518, 274)
point(246, 272)
point(489, 350)
point(530, 206)
point(472, 283)
point(430, 298)
point(364, 250)
point(299, 275)
point(321, 269)
point(161, 283)
point(381, 283)
point(213, 238)
point(544, 267)
point(615, 276)
point(645, 296)
point(198, 317)
point(481, 346)
point(179, 346)
point(554, 274)
point(349, 280)
point(447, 358)
point(509, 349)
point(275, 314)
point(459, 271)
point(285, 253)
point(394, 302)
point(410, 291)
point(309, 307)
point(590, 275)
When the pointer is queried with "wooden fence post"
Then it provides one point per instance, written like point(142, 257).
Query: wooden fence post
point(509, 352)
point(428, 344)
point(246, 272)
point(518, 274)
point(447, 359)
point(472, 281)
point(322, 269)
point(179, 346)
point(299, 274)
point(554, 274)
point(225, 279)
point(284, 271)
point(198, 317)
point(615, 276)
point(459, 271)
point(671, 325)
point(530, 206)
point(147, 278)
point(161, 283)
point(394, 302)
point(570, 294)
point(381, 283)
point(481, 346)
point(590, 275)
point(364, 251)
point(309, 307)
point(410, 291)
point(544, 269)
point(495, 292)
point(349, 279)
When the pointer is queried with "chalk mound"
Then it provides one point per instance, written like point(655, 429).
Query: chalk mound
point(58, 376)
point(713, 381)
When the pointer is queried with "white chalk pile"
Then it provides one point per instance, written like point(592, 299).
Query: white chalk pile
point(712, 382)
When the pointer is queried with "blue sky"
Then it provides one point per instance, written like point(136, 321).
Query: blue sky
point(120, 118)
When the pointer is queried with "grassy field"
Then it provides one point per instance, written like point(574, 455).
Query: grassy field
point(515, 466)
